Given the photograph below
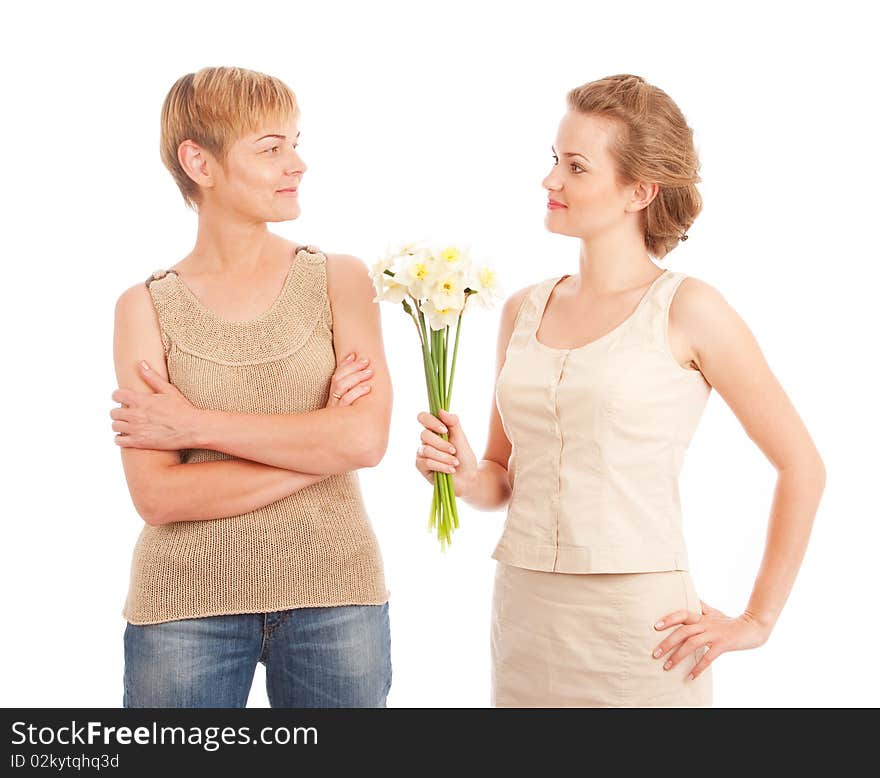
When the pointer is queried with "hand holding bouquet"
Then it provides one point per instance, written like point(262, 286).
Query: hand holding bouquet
point(433, 285)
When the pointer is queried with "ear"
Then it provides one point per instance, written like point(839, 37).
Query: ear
point(196, 163)
point(643, 194)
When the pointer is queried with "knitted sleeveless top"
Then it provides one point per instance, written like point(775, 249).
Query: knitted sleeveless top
point(598, 436)
point(315, 547)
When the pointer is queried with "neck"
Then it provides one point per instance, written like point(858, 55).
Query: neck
point(228, 244)
point(611, 263)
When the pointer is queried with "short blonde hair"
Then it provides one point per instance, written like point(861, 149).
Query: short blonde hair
point(214, 107)
point(653, 143)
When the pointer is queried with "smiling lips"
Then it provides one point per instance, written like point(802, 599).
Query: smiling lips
point(552, 205)
point(287, 191)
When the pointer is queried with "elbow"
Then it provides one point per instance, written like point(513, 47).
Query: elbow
point(820, 475)
point(373, 448)
point(151, 509)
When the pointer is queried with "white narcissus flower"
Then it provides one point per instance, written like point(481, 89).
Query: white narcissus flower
point(448, 291)
point(438, 318)
point(484, 281)
point(387, 287)
point(417, 271)
point(452, 258)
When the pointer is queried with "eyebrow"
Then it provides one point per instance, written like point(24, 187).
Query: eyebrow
point(281, 137)
point(572, 154)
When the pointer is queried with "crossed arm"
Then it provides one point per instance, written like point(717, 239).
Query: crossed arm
point(277, 454)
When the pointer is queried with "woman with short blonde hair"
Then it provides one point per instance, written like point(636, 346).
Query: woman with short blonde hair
point(246, 410)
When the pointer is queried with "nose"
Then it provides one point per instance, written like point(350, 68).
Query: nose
point(296, 164)
point(550, 181)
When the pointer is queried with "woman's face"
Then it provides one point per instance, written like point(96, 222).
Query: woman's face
point(585, 199)
point(262, 174)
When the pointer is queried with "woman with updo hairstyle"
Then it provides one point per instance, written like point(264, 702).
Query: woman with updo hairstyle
point(601, 379)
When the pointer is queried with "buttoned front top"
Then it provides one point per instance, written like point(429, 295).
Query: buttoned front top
point(598, 436)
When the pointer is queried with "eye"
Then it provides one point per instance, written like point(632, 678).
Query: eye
point(575, 168)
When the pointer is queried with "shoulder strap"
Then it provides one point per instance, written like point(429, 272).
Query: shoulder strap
point(530, 311)
point(653, 315)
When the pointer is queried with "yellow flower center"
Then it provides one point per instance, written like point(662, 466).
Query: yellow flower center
point(450, 254)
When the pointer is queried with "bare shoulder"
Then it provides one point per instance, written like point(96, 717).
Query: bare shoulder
point(136, 303)
point(698, 306)
point(347, 274)
point(708, 322)
point(136, 336)
point(694, 295)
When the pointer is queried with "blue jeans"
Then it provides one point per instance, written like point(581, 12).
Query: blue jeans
point(315, 658)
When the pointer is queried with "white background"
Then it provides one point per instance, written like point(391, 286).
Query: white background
point(436, 120)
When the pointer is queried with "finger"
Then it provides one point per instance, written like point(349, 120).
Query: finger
point(708, 657)
point(123, 396)
point(671, 641)
point(119, 413)
point(433, 464)
point(151, 376)
point(433, 439)
point(678, 617)
point(347, 368)
point(686, 649)
point(427, 474)
point(343, 385)
point(449, 419)
point(432, 423)
point(120, 426)
point(350, 396)
point(429, 452)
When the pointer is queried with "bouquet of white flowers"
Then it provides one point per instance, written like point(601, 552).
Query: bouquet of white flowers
point(439, 280)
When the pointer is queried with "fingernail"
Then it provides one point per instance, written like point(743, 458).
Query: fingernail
point(452, 449)
point(691, 677)
point(667, 665)
point(144, 365)
point(659, 624)
point(658, 651)
point(455, 462)
point(349, 358)
point(364, 361)
point(443, 428)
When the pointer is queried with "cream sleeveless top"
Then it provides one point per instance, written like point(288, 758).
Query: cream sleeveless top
point(598, 436)
point(315, 547)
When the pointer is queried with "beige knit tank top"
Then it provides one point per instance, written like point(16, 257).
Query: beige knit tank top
point(598, 436)
point(315, 547)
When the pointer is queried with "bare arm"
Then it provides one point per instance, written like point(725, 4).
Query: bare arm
point(162, 489)
point(485, 484)
point(729, 357)
point(329, 440)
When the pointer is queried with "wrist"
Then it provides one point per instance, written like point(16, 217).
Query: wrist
point(204, 426)
point(464, 484)
point(762, 621)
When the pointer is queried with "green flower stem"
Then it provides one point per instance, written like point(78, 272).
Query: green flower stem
point(444, 513)
point(454, 357)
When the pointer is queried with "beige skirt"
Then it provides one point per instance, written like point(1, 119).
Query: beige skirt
point(585, 640)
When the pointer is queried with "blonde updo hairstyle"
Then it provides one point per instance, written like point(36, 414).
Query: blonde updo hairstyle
point(653, 143)
point(214, 107)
